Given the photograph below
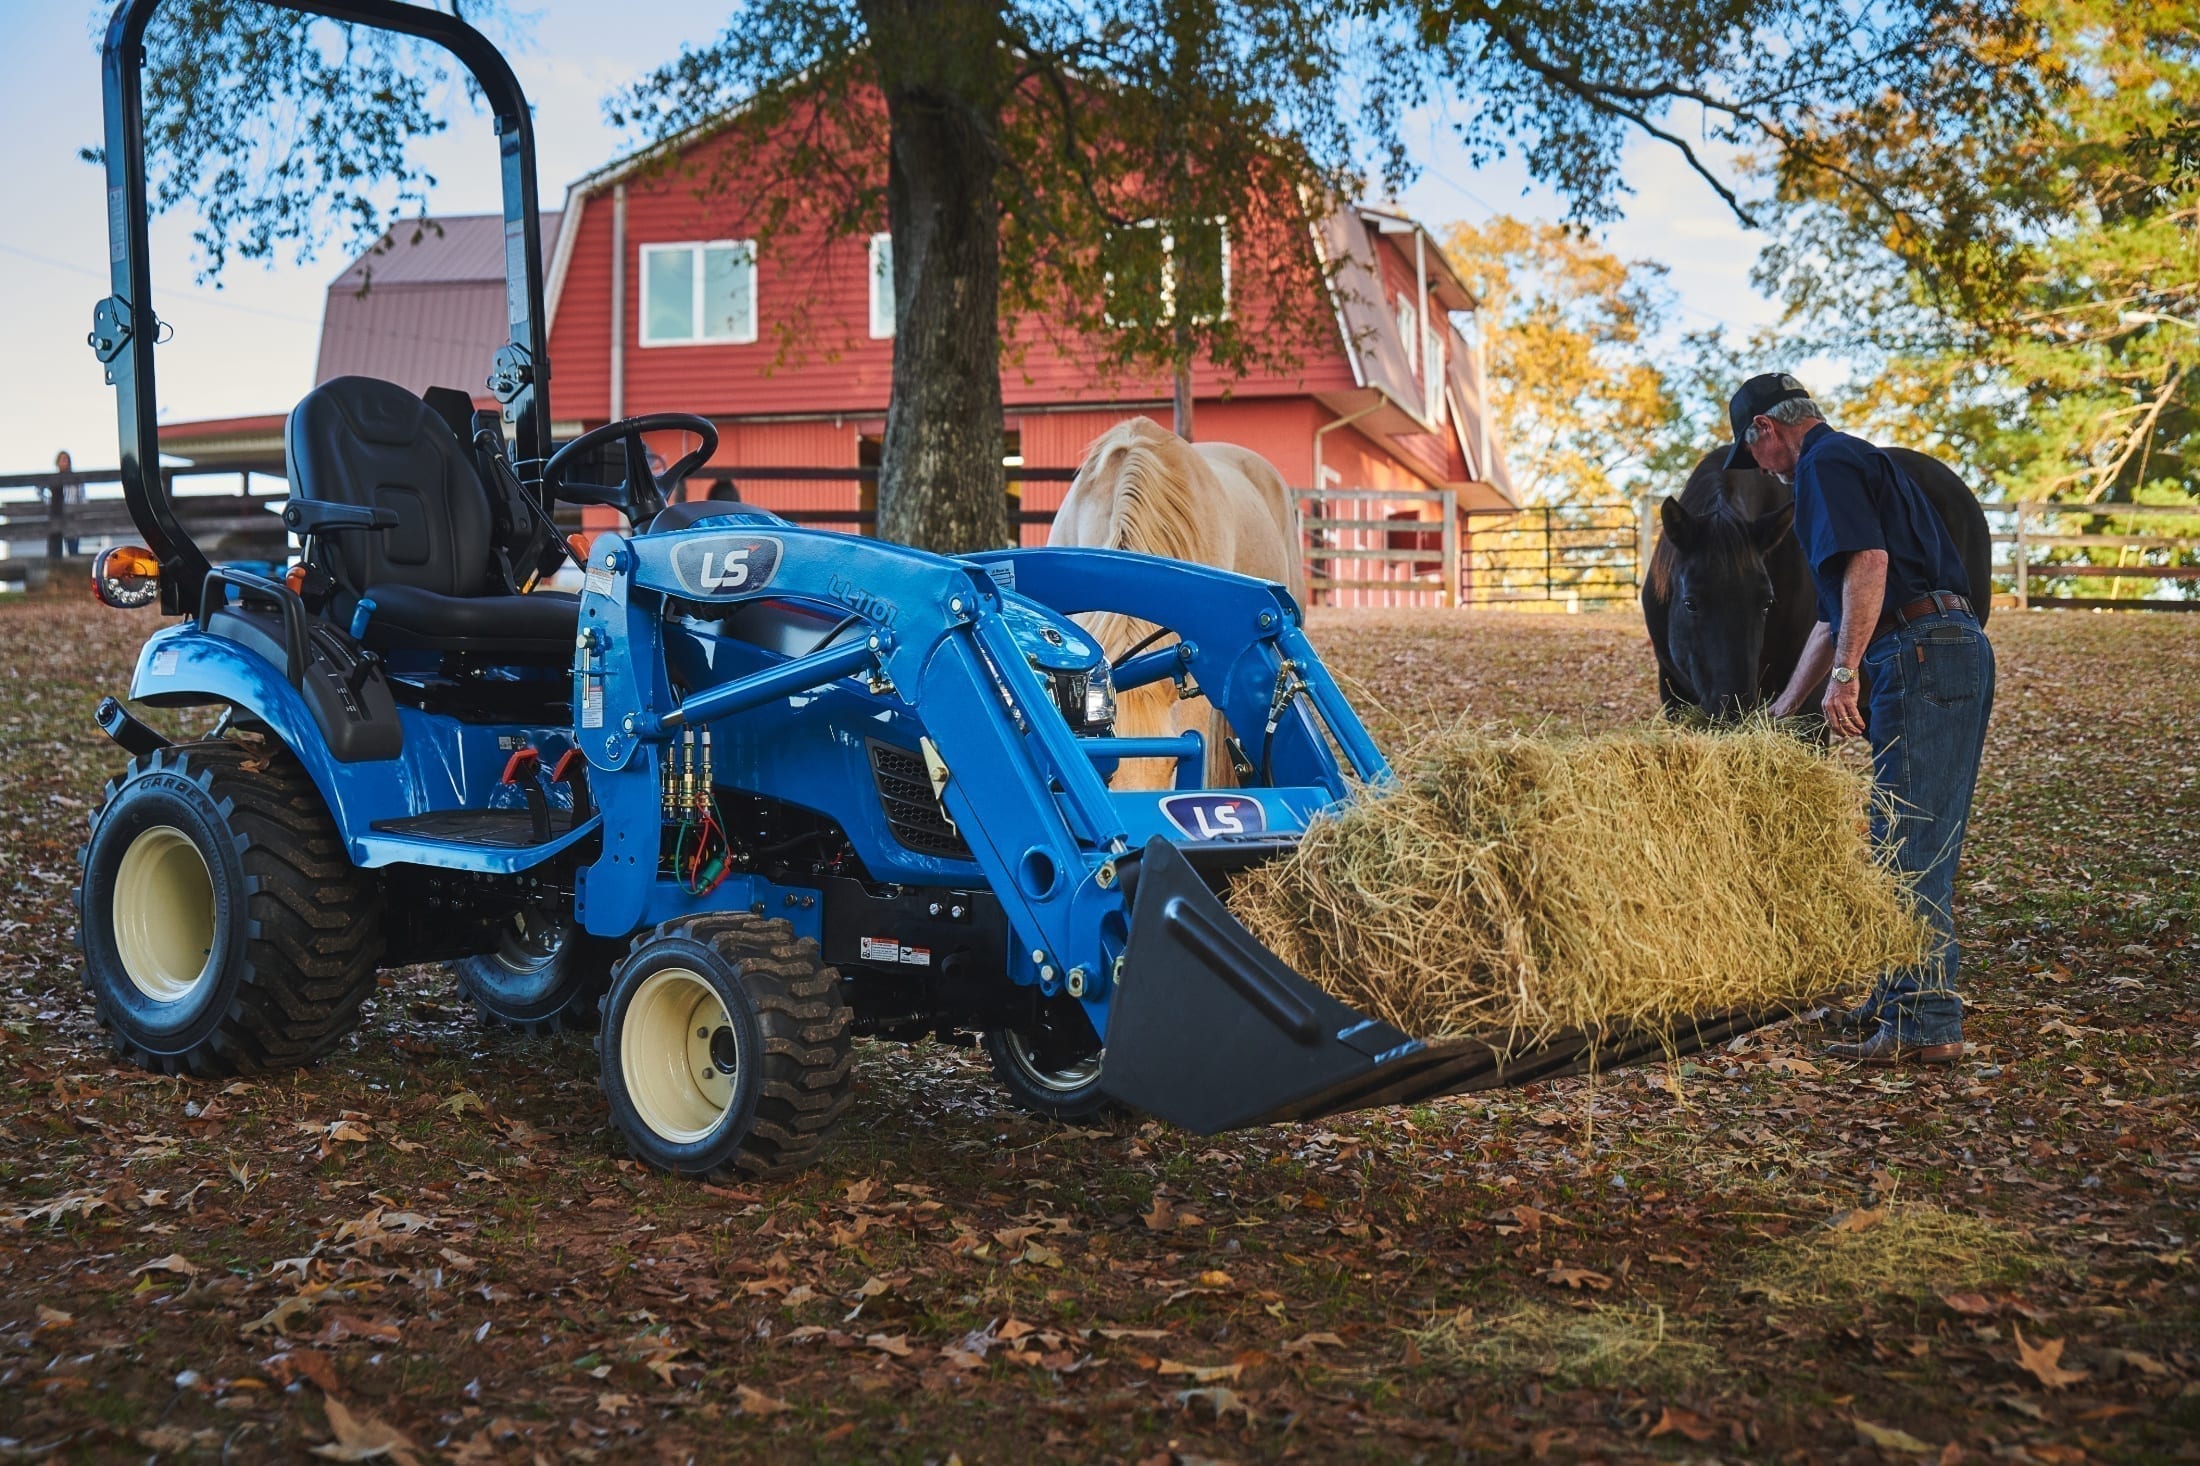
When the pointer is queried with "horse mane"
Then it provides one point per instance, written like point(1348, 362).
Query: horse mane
point(1153, 509)
point(1723, 522)
point(1152, 477)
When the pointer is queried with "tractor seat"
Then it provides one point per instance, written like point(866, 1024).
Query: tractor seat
point(433, 578)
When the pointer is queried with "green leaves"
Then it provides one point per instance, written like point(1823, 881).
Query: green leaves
point(2010, 255)
point(283, 131)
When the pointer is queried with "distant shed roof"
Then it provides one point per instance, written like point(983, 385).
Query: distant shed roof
point(423, 306)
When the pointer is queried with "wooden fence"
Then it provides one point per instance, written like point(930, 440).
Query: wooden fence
point(1366, 547)
point(2031, 544)
point(57, 512)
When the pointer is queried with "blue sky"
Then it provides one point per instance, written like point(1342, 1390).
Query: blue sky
point(249, 346)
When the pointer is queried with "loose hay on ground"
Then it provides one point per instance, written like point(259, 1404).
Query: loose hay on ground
point(1904, 1250)
point(1606, 1345)
point(1525, 886)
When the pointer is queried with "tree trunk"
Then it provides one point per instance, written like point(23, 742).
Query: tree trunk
point(1183, 400)
point(941, 485)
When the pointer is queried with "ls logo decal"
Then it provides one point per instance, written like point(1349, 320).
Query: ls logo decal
point(1215, 816)
point(723, 564)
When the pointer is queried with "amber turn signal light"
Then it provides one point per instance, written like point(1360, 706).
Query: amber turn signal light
point(126, 577)
point(577, 546)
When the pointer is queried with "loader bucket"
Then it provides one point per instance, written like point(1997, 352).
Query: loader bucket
point(1208, 1030)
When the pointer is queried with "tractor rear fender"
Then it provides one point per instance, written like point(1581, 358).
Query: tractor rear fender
point(443, 764)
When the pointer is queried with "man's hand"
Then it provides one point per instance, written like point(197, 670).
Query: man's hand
point(1809, 675)
point(1843, 715)
point(1863, 588)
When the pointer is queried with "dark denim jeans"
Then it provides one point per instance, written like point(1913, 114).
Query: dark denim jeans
point(1932, 690)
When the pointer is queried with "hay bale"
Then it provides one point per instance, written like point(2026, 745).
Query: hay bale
point(1519, 887)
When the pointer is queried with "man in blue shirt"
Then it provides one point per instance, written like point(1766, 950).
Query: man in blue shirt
point(1894, 612)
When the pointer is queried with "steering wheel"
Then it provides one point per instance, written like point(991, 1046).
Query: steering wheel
point(643, 493)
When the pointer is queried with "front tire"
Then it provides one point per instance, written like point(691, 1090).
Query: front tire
point(223, 929)
point(545, 975)
point(1051, 1066)
point(725, 1046)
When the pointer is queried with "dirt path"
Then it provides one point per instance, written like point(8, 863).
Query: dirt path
point(428, 1246)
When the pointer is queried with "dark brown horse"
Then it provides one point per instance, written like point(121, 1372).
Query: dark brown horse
point(1729, 600)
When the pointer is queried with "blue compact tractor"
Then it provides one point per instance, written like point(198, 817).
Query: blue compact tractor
point(753, 791)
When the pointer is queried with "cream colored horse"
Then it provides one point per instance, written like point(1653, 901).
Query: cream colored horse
point(1143, 488)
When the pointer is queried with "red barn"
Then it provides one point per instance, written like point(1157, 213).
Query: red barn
point(660, 299)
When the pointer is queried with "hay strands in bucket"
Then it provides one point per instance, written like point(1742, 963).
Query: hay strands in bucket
point(1214, 1033)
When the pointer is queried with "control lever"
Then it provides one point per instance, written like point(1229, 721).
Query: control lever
point(572, 771)
point(524, 768)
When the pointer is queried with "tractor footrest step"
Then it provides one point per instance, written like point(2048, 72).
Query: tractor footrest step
point(494, 829)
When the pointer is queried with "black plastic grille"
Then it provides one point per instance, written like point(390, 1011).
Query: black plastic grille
point(912, 812)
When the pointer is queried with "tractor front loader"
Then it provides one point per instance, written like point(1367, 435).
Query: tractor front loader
point(755, 790)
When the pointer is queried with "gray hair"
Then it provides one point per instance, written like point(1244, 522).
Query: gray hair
point(1794, 410)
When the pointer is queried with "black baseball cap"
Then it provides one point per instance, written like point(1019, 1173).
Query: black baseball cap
point(1758, 395)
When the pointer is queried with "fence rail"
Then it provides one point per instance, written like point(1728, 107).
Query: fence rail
point(2029, 553)
point(1367, 547)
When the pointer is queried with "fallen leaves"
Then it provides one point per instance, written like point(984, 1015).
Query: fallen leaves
point(2043, 1361)
point(1301, 1257)
point(363, 1437)
point(279, 1318)
point(1306, 1344)
point(1563, 1275)
point(1164, 1216)
point(461, 1102)
point(175, 1263)
point(343, 1327)
point(1673, 1420)
point(755, 1402)
point(1887, 1438)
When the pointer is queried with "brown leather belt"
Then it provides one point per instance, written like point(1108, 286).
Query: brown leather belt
point(1928, 605)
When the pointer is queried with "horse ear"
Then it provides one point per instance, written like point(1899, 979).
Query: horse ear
point(1767, 530)
point(1680, 526)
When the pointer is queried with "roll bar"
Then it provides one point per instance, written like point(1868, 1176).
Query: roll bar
point(124, 327)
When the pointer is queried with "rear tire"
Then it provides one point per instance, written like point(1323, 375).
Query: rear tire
point(1052, 1067)
point(545, 975)
point(725, 1047)
point(223, 928)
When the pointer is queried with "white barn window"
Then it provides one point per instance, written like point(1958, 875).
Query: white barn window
point(882, 286)
point(699, 293)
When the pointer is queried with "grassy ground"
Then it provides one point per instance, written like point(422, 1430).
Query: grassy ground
point(429, 1247)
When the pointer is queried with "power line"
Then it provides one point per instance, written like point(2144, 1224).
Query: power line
point(196, 298)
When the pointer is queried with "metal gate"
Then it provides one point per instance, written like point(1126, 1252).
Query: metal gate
point(1374, 547)
point(1577, 555)
point(1387, 547)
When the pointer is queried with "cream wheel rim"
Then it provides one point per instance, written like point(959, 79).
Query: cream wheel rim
point(679, 1052)
point(164, 914)
point(1066, 1080)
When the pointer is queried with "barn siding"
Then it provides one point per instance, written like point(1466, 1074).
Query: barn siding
point(813, 350)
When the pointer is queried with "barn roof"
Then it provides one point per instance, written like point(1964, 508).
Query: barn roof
point(423, 306)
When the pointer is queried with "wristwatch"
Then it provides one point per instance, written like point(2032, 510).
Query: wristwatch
point(1844, 675)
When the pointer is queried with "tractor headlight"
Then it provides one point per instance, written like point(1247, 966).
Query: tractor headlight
point(1087, 699)
point(1099, 700)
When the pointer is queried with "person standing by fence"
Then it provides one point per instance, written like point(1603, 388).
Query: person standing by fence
point(1893, 603)
point(68, 496)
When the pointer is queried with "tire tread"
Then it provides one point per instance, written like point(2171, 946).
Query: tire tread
point(808, 1058)
point(313, 921)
